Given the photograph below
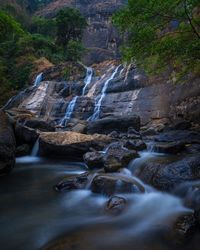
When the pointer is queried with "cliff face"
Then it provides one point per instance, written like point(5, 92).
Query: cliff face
point(101, 38)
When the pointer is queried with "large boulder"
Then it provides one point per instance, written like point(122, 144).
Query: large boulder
point(117, 156)
point(109, 184)
point(70, 145)
point(109, 124)
point(167, 175)
point(94, 159)
point(25, 135)
point(169, 147)
point(7, 144)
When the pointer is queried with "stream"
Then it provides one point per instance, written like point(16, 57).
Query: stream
point(33, 213)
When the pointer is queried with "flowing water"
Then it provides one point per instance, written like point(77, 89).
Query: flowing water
point(88, 79)
point(69, 111)
point(99, 100)
point(38, 79)
point(33, 214)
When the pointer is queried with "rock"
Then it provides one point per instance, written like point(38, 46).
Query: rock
point(94, 159)
point(7, 144)
point(181, 125)
point(183, 229)
point(185, 136)
point(117, 156)
point(190, 194)
point(115, 205)
point(167, 175)
point(137, 145)
point(114, 134)
point(70, 145)
point(40, 125)
point(22, 150)
point(169, 147)
point(120, 124)
point(72, 183)
point(109, 184)
point(25, 135)
point(133, 134)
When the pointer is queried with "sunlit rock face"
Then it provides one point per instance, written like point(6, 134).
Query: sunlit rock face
point(100, 37)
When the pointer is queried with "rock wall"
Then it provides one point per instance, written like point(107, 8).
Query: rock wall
point(101, 38)
point(128, 93)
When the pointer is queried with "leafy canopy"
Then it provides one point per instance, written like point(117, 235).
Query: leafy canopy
point(161, 34)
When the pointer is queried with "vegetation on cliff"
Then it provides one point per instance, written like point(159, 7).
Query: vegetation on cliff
point(25, 38)
point(161, 35)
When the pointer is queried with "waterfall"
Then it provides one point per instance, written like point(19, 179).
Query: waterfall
point(38, 79)
point(88, 79)
point(35, 149)
point(69, 111)
point(103, 94)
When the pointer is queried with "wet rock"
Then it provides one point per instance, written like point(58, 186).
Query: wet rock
point(167, 175)
point(169, 148)
point(137, 145)
point(109, 124)
point(117, 156)
point(109, 184)
point(94, 159)
point(181, 125)
point(70, 145)
point(25, 135)
point(114, 134)
point(72, 183)
point(133, 134)
point(185, 136)
point(22, 150)
point(183, 229)
point(190, 193)
point(41, 125)
point(7, 144)
point(116, 205)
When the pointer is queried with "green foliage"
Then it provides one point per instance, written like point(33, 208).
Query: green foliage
point(75, 50)
point(23, 41)
point(43, 26)
point(70, 26)
point(165, 31)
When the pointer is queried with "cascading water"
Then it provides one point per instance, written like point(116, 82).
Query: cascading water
point(35, 149)
point(69, 111)
point(38, 79)
point(71, 106)
point(88, 79)
point(103, 94)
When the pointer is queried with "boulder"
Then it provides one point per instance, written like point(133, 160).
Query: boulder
point(137, 145)
point(41, 125)
point(133, 134)
point(94, 159)
point(117, 156)
point(7, 144)
point(72, 183)
point(109, 124)
point(109, 184)
point(183, 229)
point(169, 147)
point(25, 135)
point(70, 145)
point(185, 136)
point(115, 205)
point(167, 175)
point(22, 150)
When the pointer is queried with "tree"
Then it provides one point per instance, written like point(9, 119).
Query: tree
point(161, 34)
point(70, 26)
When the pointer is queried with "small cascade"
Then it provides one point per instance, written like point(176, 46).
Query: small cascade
point(69, 111)
point(88, 79)
point(35, 149)
point(103, 94)
point(38, 79)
